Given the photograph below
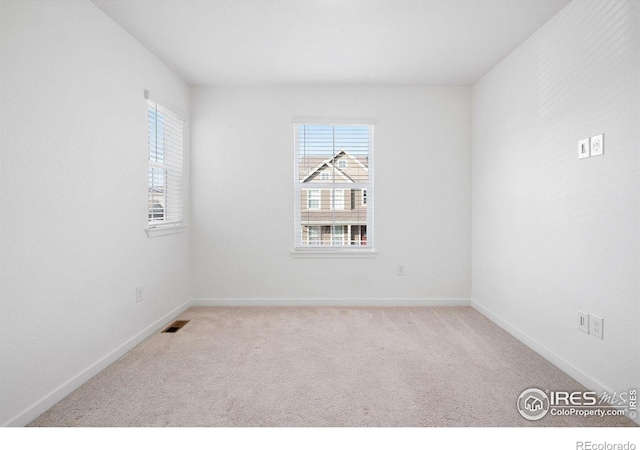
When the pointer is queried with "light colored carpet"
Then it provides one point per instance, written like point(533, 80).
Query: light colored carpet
point(333, 366)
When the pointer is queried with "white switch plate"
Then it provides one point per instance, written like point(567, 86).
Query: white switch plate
point(583, 148)
point(597, 145)
point(583, 322)
point(596, 326)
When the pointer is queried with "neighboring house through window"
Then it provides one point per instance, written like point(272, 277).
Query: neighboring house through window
point(333, 186)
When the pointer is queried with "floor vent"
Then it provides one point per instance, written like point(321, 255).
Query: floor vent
point(175, 326)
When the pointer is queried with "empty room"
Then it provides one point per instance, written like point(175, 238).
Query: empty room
point(320, 213)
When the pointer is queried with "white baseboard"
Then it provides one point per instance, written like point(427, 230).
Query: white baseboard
point(331, 302)
point(577, 374)
point(42, 405)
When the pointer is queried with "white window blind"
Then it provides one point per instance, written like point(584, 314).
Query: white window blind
point(333, 187)
point(165, 166)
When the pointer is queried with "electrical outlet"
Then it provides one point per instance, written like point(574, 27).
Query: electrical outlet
point(596, 326)
point(400, 270)
point(583, 148)
point(583, 322)
point(139, 296)
point(597, 145)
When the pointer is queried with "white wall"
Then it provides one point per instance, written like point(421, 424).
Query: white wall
point(242, 192)
point(73, 201)
point(553, 234)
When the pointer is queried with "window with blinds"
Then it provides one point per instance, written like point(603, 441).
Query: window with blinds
point(333, 187)
point(165, 201)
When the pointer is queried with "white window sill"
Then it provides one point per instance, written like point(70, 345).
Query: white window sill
point(163, 230)
point(320, 253)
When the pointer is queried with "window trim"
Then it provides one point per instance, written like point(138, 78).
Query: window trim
point(165, 230)
point(354, 251)
point(329, 251)
point(154, 229)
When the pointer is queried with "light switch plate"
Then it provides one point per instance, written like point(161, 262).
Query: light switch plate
point(597, 145)
point(583, 148)
point(583, 322)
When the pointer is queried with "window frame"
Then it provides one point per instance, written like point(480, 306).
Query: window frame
point(344, 250)
point(174, 171)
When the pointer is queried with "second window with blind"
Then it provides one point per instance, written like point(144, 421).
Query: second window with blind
point(333, 186)
point(165, 148)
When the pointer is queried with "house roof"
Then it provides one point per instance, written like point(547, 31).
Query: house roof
point(318, 164)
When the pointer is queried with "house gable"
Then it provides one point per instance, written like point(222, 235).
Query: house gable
point(331, 166)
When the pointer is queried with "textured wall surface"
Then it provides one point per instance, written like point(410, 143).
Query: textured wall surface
point(73, 191)
point(553, 234)
point(242, 187)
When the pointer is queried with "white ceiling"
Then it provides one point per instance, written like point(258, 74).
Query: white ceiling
point(331, 42)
